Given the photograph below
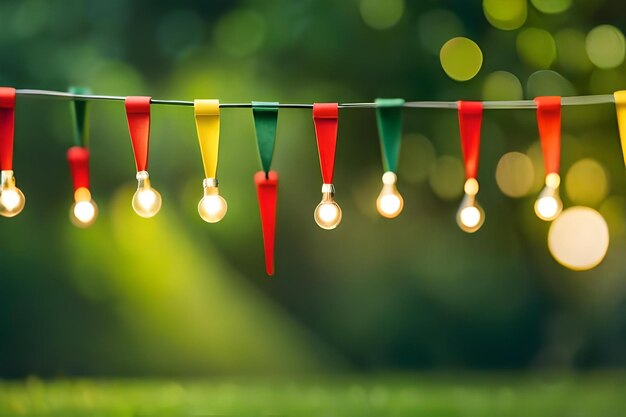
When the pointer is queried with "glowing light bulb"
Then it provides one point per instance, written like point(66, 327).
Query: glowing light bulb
point(84, 211)
point(212, 207)
point(389, 202)
point(147, 200)
point(470, 216)
point(327, 213)
point(12, 200)
point(549, 205)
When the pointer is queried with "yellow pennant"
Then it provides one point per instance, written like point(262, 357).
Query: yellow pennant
point(620, 106)
point(207, 113)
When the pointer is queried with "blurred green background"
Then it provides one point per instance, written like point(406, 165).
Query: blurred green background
point(174, 296)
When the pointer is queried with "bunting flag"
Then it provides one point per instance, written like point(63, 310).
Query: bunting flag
point(80, 118)
point(7, 127)
point(138, 115)
point(549, 123)
point(265, 122)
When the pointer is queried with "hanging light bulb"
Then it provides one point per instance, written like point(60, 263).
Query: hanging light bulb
point(212, 207)
point(549, 205)
point(389, 202)
point(328, 213)
point(84, 211)
point(470, 216)
point(12, 199)
point(147, 200)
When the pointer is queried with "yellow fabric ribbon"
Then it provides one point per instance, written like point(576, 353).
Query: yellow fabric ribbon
point(620, 106)
point(207, 113)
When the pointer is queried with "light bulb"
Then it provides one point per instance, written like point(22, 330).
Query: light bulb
point(470, 216)
point(147, 200)
point(11, 198)
point(212, 207)
point(84, 211)
point(549, 205)
point(389, 202)
point(327, 213)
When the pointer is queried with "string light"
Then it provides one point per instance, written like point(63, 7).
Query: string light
point(84, 211)
point(389, 202)
point(212, 207)
point(327, 213)
point(549, 205)
point(12, 199)
point(470, 216)
point(146, 200)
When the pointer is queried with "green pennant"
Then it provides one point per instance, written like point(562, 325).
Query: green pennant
point(265, 122)
point(79, 117)
point(389, 118)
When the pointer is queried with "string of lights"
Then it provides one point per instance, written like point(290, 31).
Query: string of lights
point(491, 105)
point(213, 207)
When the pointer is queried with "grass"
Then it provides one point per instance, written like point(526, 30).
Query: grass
point(431, 395)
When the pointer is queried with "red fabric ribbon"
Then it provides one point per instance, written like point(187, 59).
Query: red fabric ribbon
point(549, 122)
point(326, 120)
point(78, 158)
point(138, 114)
point(470, 118)
point(7, 127)
point(267, 191)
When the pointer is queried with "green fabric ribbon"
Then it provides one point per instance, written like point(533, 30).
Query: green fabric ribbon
point(389, 118)
point(79, 117)
point(265, 122)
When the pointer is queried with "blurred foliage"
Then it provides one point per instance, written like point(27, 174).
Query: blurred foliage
point(421, 395)
point(174, 295)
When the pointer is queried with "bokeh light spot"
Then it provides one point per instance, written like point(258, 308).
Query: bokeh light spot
point(579, 238)
point(505, 14)
point(502, 85)
point(606, 46)
point(571, 51)
point(613, 209)
point(552, 6)
point(381, 14)
point(447, 178)
point(586, 182)
point(536, 47)
point(461, 58)
point(240, 32)
point(515, 174)
point(416, 159)
point(548, 83)
point(436, 26)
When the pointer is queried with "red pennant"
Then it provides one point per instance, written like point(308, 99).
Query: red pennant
point(138, 114)
point(325, 118)
point(267, 191)
point(470, 118)
point(7, 127)
point(78, 158)
point(549, 122)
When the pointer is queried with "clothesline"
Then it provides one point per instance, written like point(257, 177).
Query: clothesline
point(495, 105)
